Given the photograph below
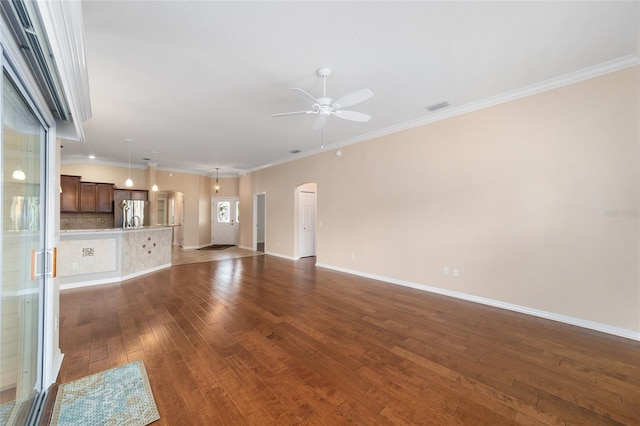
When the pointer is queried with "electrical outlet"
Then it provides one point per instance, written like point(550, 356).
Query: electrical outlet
point(456, 272)
point(445, 271)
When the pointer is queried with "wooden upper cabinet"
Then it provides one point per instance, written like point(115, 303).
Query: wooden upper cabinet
point(104, 198)
point(130, 194)
point(69, 197)
point(121, 194)
point(96, 197)
point(87, 197)
point(139, 195)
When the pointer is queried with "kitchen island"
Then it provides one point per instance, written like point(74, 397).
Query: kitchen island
point(89, 257)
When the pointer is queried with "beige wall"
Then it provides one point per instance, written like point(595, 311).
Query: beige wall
point(204, 215)
point(197, 191)
point(92, 172)
point(535, 201)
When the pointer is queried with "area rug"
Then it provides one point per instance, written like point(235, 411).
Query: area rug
point(217, 247)
point(5, 412)
point(119, 396)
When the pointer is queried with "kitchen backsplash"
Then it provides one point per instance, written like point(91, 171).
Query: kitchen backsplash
point(86, 221)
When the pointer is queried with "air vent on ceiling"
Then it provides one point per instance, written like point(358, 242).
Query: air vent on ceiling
point(438, 106)
point(295, 151)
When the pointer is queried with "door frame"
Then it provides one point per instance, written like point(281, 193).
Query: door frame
point(49, 356)
point(306, 187)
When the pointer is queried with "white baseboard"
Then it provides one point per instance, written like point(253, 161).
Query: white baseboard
point(604, 328)
point(246, 248)
point(284, 256)
point(69, 286)
point(57, 365)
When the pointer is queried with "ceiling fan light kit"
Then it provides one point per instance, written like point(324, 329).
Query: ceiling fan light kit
point(325, 106)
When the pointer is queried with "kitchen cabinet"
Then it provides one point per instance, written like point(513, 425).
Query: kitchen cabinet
point(96, 197)
point(69, 197)
point(104, 198)
point(130, 194)
point(87, 197)
point(139, 195)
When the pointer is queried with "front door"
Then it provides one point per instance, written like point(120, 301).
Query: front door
point(224, 220)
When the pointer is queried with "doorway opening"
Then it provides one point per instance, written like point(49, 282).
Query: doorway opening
point(170, 211)
point(260, 220)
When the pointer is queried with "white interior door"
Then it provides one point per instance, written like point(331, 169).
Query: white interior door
point(307, 223)
point(224, 220)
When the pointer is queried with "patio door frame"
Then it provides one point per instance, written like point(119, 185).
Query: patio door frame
point(49, 356)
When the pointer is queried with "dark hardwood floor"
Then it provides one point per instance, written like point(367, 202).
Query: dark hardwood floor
point(263, 340)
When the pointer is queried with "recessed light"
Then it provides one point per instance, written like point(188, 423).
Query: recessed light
point(92, 157)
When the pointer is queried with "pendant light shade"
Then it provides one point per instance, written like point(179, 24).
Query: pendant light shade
point(217, 185)
point(129, 183)
point(154, 163)
point(18, 174)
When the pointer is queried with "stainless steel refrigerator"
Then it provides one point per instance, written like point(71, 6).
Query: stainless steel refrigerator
point(132, 214)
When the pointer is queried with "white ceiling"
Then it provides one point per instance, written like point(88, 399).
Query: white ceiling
point(198, 81)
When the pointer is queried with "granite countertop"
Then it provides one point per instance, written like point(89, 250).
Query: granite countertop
point(137, 228)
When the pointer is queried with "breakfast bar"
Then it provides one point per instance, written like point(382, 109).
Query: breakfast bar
point(89, 257)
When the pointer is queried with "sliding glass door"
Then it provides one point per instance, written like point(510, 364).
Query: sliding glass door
point(24, 260)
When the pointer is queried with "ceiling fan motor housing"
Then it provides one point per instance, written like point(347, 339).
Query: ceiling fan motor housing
point(324, 72)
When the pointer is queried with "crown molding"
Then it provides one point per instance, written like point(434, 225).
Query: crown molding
point(533, 89)
point(86, 161)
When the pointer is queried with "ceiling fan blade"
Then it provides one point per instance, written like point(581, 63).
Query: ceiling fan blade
point(353, 98)
point(293, 113)
point(320, 122)
point(352, 115)
point(304, 92)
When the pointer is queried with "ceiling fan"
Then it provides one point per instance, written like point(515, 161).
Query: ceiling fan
point(325, 106)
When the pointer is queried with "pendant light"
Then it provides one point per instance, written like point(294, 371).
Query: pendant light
point(18, 174)
point(154, 154)
point(217, 185)
point(129, 183)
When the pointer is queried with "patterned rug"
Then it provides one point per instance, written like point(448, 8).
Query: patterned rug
point(5, 413)
point(217, 247)
point(119, 396)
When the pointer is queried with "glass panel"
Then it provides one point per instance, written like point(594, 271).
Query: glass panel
point(237, 211)
point(224, 214)
point(22, 238)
